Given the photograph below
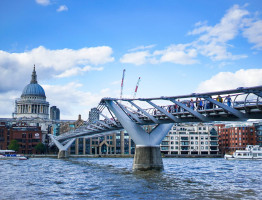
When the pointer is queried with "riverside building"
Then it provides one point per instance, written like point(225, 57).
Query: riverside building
point(26, 136)
point(118, 143)
point(234, 137)
point(191, 139)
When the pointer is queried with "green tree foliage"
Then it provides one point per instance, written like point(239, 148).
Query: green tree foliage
point(40, 147)
point(13, 145)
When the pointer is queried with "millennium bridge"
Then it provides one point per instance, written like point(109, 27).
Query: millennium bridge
point(116, 114)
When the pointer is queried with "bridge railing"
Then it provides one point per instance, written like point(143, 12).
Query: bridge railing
point(205, 105)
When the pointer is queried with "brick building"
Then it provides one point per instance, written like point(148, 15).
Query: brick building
point(235, 137)
point(27, 137)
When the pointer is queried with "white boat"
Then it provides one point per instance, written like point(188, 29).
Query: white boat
point(252, 152)
point(11, 155)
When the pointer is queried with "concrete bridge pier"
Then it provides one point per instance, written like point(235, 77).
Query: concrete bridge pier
point(148, 158)
point(63, 154)
point(147, 154)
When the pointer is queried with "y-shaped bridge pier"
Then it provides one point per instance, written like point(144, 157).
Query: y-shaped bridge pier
point(239, 104)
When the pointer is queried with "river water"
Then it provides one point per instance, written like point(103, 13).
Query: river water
point(113, 178)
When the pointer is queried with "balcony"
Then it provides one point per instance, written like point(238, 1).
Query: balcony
point(213, 148)
point(164, 148)
point(213, 143)
point(184, 139)
point(184, 143)
point(165, 144)
point(184, 148)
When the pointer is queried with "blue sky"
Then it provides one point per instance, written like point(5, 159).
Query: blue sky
point(80, 49)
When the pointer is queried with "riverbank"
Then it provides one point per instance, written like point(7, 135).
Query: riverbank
point(193, 156)
point(120, 156)
point(79, 156)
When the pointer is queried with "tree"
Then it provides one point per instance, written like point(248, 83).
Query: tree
point(13, 145)
point(40, 147)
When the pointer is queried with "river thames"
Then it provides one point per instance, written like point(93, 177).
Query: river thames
point(113, 178)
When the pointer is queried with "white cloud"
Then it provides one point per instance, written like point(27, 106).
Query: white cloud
point(71, 100)
point(253, 32)
point(78, 70)
point(137, 58)
point(43, 2)
point(230, 80)
point(62, 8)
point(201, 27)
point(7, 103)
point(178, 54)
point(214, 40)
point(142, 47)
point(49, 63)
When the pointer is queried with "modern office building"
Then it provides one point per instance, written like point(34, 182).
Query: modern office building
point(258, 127)
point(93, 115)
point(189, 139)
point(54, 113)
point(118, 143)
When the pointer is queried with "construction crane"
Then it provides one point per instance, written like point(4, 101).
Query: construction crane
point(122, 84)
point(136, 88)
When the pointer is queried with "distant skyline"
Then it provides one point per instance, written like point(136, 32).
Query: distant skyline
point(80, 49)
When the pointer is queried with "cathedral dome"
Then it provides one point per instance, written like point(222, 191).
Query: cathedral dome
point(33, 89)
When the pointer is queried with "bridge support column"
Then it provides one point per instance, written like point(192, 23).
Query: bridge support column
point(63, 154)
point(63, 149)
point(148, 158)
point(147, 155)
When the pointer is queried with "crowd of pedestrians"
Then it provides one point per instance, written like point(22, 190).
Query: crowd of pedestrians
point(197, 104)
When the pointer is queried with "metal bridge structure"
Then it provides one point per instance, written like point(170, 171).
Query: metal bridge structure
point(132, 115)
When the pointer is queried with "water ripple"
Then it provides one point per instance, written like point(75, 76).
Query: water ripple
point(113, 178)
